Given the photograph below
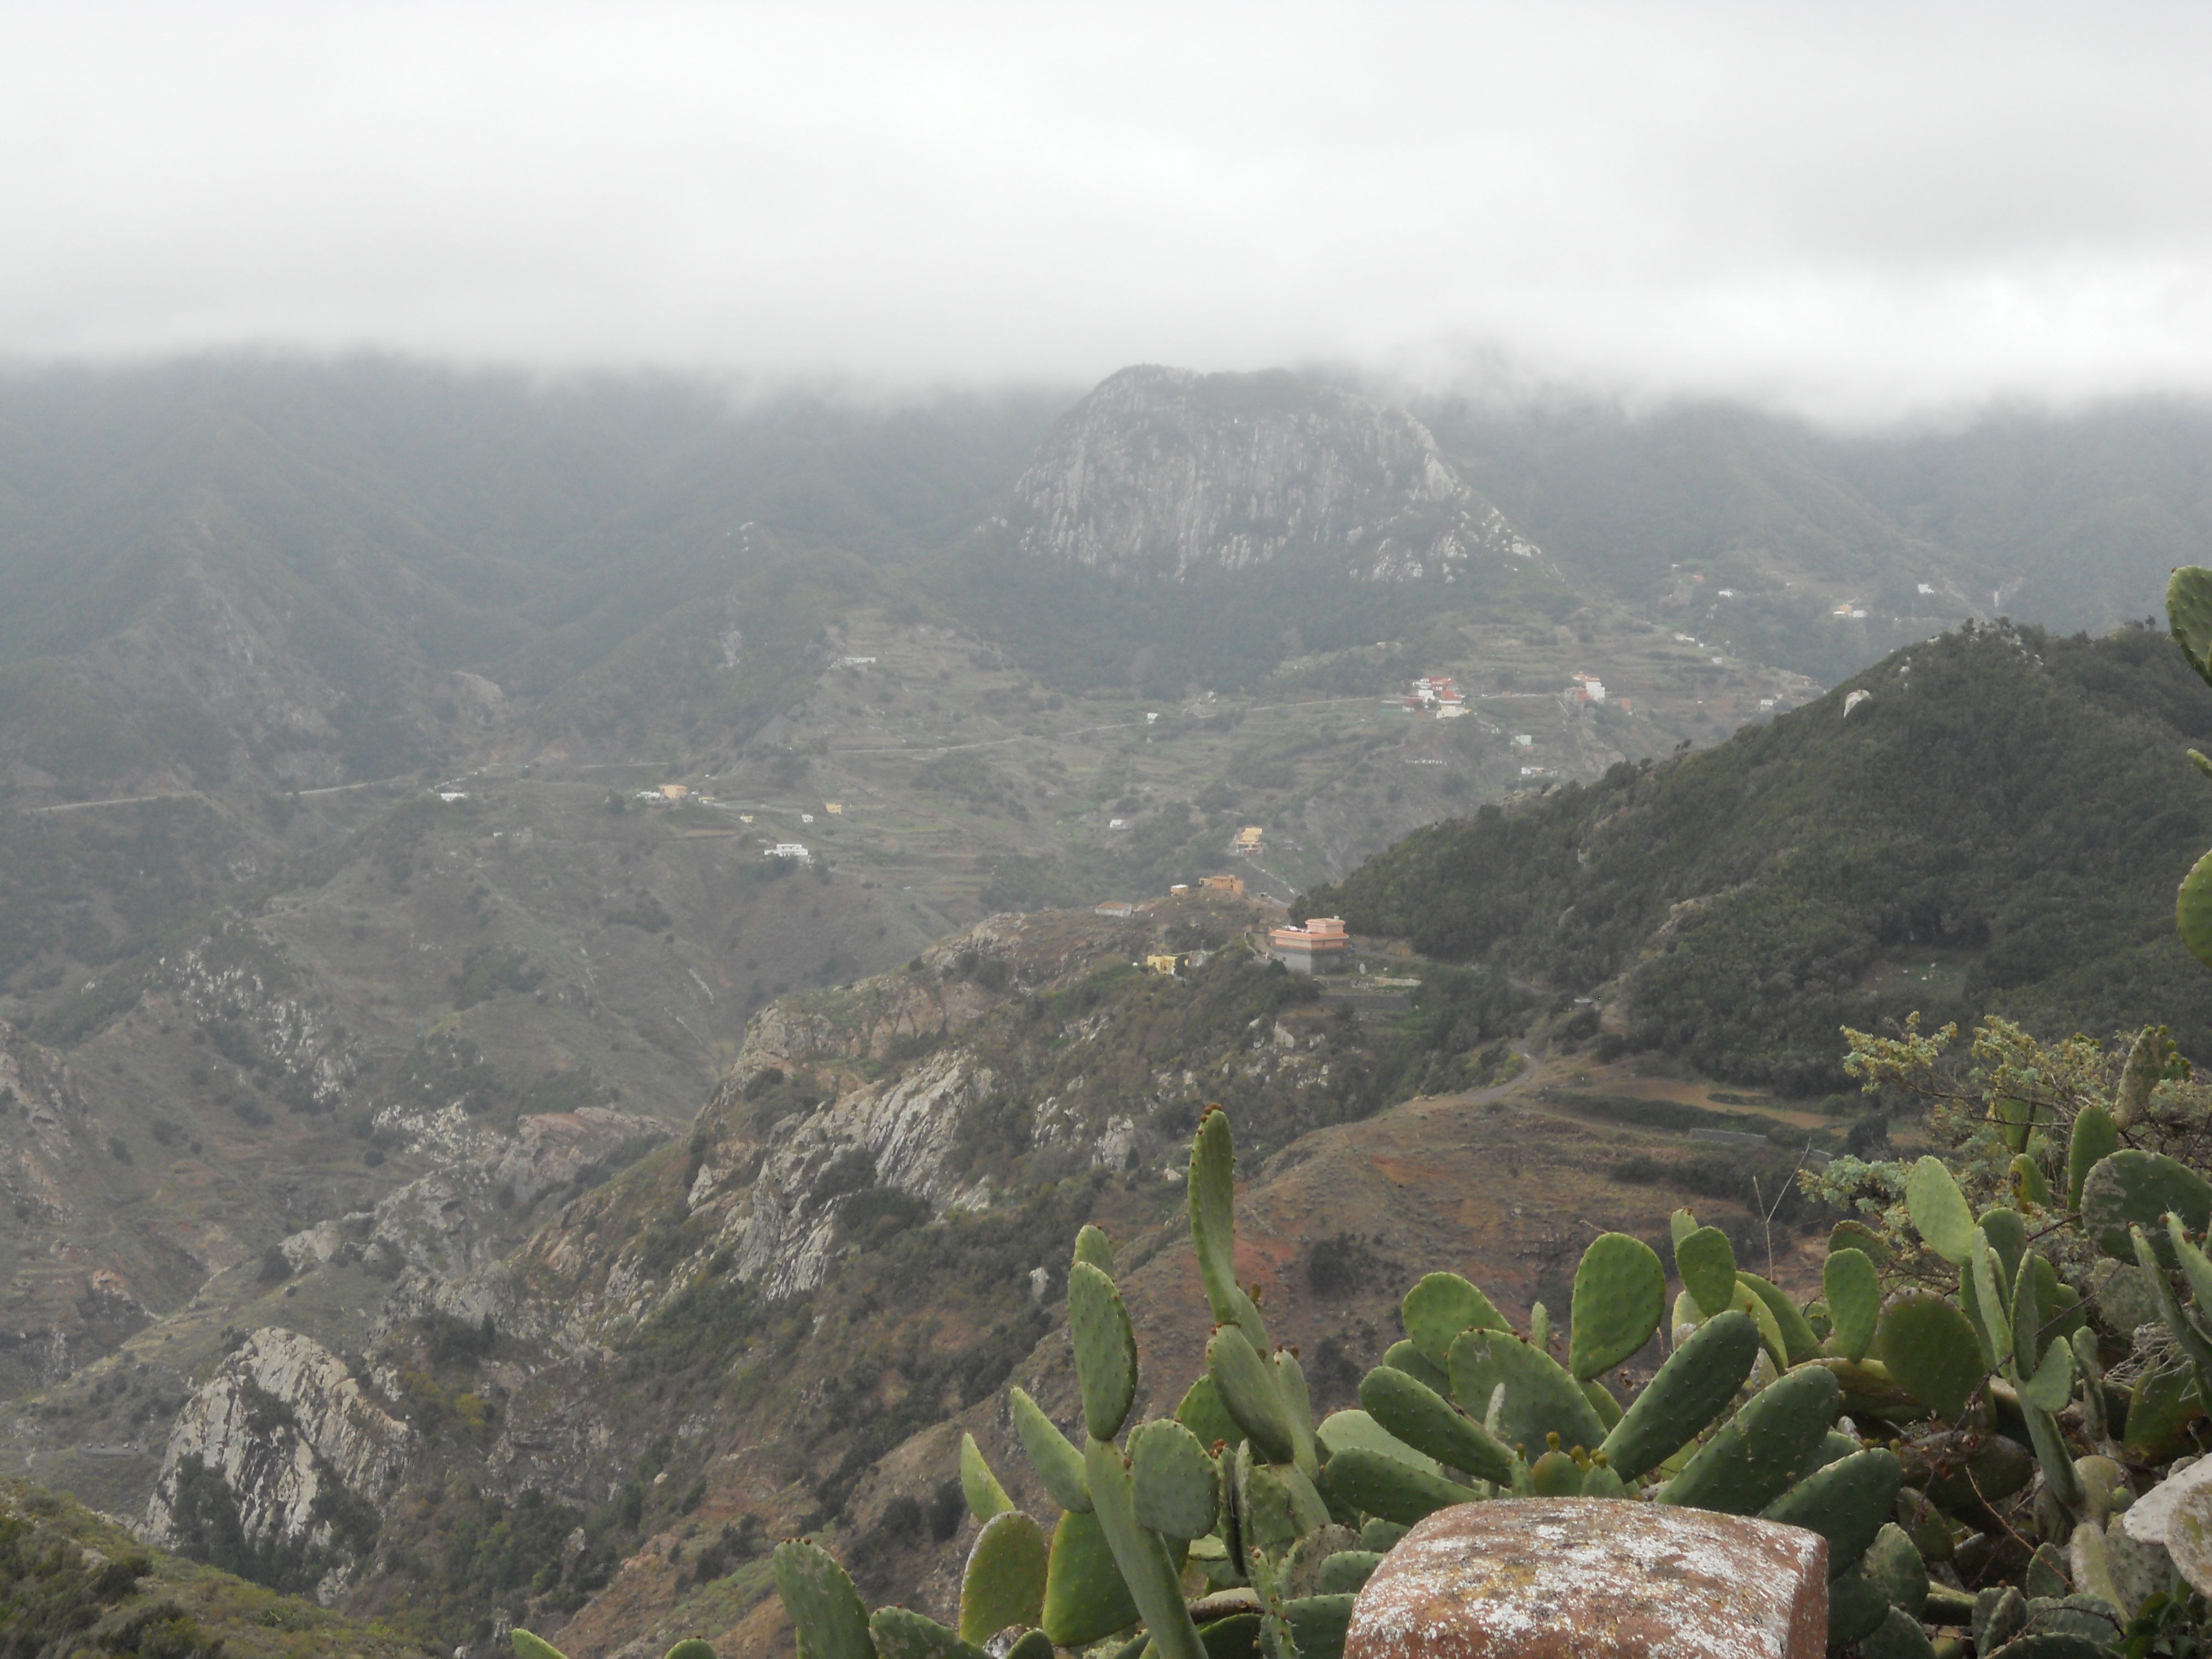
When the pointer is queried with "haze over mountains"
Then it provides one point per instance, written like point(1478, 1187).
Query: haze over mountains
point(270, 571)
point(365, 1028)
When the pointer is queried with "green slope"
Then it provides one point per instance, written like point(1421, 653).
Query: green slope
point(75, 1581)
point(1997, 829)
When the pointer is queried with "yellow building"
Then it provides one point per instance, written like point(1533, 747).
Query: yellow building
point(674, 790)
point(1165, 962)
point(1248, 838)
point(1222, 883)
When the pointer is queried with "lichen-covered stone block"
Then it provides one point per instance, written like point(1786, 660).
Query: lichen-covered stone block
point(1588, 1579)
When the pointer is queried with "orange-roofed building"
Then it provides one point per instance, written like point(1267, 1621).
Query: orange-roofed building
point(1319, 947)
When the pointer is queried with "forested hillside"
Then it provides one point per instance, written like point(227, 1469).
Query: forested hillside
point(1998, 826)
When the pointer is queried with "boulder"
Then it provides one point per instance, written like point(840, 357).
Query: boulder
point(1593, 1578)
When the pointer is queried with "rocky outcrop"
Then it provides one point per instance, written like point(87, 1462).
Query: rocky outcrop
point(947, 987)
point(293, 1439)
point(783, 1231)
point(1164, 474)
point(434, 1237)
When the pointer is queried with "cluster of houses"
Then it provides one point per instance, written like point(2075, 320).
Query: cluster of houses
point(1321, 945)
point(1431, 694)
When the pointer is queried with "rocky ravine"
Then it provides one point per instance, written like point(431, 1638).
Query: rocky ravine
point(298, 1437)
point(1162, 473)
point(706, 1350)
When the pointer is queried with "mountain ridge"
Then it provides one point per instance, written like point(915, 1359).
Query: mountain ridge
point(1163, 473)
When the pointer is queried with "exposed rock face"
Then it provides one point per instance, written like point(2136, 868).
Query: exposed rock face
point(1164, 474)
point(65, 1303)
point(1592, 1578)
point(291, 1434)
point(432, 1233)
point(865, 1021)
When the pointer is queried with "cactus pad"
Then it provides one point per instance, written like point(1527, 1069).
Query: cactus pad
point(1340, 1430)
point(2134, 1188)
point(1691, 1390)
point(1403, 1356)
point(1439, 1308)
point(1201, 1412)
point(1854, 1293)
point(2189, 614)
point(1092, 1245)
point(1344, 1572)
point(1298, 1405)
point(1318, 1624)
point(690, 1648)
point(1759, 1454)
point(986, 1496)
point(1706, 1262)
point(1236, 1637)
point(1105, 1349)
point(2192, 910)
point(1897, 1567)
point(1142, 1555)
point(1847, 1502)
point(1084, 1598)
point(1005, 1581)
point(1621, 1295)
point(826, 1613)
point(1213, 1216)
point(1931, 1350)
point(527, 1646)
point(2096, 1138)
point(1381, 1485)
point(1555, 1475)
point(1541, 1397)
point(1798, 1342)
point(1939, 1211)
point(1425, 1420)
point(900, 1634)
point(1058, 1464)
point(1249, 1389)
point(1177, 1488)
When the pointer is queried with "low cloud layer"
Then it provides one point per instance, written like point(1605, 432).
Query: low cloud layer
point(1858, 212)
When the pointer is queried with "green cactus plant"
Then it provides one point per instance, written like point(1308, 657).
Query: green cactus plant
point(1706, 1262)
point(1005, 1582)
point(900, 1634)
point(1440, 1307)
point(827, 1614)
point(1238, 1486)
point(1619, 1298)
point(1853, 1289)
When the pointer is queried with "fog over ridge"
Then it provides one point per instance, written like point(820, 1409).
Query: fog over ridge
point(1852, 216)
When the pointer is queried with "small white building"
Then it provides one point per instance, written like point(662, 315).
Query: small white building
point(789, 849)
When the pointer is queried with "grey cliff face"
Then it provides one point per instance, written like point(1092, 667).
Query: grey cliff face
point(1163, 474)
point(288, 1429)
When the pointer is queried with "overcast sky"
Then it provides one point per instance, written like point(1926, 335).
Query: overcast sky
point(1854, 210)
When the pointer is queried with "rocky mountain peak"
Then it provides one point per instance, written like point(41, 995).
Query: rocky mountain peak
point(1167, 474)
